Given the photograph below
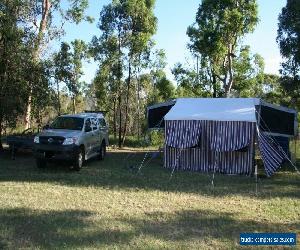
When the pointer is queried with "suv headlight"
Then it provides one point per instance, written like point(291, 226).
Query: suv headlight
point(36, 139)
point(70, 141)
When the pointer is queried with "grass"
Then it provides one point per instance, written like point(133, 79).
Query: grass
point(109, 204)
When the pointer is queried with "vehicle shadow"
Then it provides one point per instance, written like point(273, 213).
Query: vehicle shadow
point(134, 170)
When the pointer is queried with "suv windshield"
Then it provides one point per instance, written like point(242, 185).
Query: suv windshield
point(71, 123)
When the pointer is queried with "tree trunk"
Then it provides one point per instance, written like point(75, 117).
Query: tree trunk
point(214, 83)
point(1, 146)
point(115, 120)
point(127, 103)
point(119, 87)
point(120, 120)
point(74, 104)
point(58, 98)
point(46, 6)
point(138, 109)
point(229, 84)
point(28, 109)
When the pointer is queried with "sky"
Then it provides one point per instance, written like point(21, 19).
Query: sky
point(174, 16)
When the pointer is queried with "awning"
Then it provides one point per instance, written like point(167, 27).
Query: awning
point(214, 109)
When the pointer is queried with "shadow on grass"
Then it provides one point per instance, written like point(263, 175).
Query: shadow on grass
point(25, 228)
point(120, 171)
point(203, 224)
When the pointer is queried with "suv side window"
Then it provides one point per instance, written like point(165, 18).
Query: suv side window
point(94, 124)
point(102, 123)
point(88, 125)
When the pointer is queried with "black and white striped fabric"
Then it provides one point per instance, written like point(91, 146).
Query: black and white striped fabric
point(182, 133)
point(270, 152)
point(216, 150)
point(227, 136)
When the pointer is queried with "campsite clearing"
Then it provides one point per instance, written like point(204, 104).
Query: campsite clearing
point(109, 205)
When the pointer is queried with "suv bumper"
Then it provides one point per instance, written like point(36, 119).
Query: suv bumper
point(55, 152)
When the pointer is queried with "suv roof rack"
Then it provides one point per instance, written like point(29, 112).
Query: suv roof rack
point(96, 111)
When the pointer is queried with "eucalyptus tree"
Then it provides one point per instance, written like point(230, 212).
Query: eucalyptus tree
point(45, 19)
point(248, 74)
point(129, 26)
point(62, 69)
point(15, 59)
point(68, 68)
point(217, 33)
point(191, 82)
point(108, 81)
point(288, 38)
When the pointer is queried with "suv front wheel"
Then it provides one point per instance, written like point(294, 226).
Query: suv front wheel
point(79, 159)
point(40, 163)
point(102, 151)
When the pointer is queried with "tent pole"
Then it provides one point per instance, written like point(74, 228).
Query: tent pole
point(213, 177)
point(295, 150)
point(176, 162)
point(256, 179)
point(256, 139)
point(255, 161)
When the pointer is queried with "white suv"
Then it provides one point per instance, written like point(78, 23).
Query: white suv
point(74, 138)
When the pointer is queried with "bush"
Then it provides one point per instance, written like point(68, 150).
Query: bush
point(156, 137)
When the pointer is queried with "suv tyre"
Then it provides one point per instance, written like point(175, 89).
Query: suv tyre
point(40, 163)
point(102, 151)
point(79, 159)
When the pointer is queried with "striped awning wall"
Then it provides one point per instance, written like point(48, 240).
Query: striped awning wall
point(215, 151)
point(226, 136)
point(271, 153)
point(182, 134)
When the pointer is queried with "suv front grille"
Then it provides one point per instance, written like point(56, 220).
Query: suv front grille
point(52, 140)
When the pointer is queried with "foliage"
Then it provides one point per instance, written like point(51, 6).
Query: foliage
point(156, 138)
point(45, 20)
point(123, 50)
point(220, 25)
point(288, 38)
point(16, 65)
point(248, 74)
point(68, 67)
point(190, 82)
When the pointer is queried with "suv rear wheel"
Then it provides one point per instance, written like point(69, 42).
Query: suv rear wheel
point(102, 151)
point(79, 159)
point(40, 163)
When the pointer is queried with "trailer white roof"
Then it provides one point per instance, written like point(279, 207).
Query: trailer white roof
point(214, 109)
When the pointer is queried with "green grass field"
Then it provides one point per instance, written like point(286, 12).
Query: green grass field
point(110, 205)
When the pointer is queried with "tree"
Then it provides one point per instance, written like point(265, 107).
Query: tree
point(68, 68)
point(248, 74)
point(288, 38)
point(17, 67)
point(272, 90)
point(108, 80)
point(11, 75)
point(62, 70)
point(215, 36)
point(128, 25)
point(39, 19)
point(190, 82)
